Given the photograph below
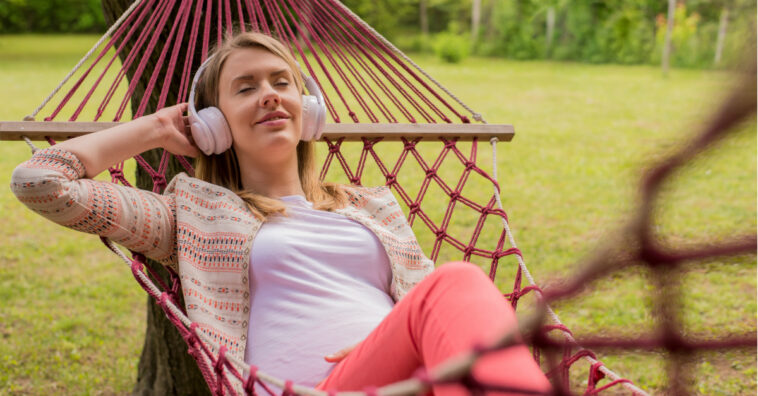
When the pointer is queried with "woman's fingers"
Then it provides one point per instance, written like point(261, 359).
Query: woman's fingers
point(336, 357)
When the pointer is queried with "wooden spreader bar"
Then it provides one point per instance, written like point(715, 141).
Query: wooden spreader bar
point(61, 130)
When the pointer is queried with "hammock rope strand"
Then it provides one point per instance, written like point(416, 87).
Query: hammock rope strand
point(86, 56)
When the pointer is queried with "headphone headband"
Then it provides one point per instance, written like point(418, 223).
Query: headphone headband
point(199, 72)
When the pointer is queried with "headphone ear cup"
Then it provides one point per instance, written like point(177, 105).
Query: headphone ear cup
point(310, 118)
point(201, 135)
point(314, 111)
point(218, 136)
point(320, 121)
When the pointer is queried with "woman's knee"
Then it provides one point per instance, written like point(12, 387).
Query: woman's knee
point(460, 272)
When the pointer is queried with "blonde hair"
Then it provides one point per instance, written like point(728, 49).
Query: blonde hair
point(223, 169)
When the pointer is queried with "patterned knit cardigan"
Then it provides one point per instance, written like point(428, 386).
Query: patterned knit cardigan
point(203, 231)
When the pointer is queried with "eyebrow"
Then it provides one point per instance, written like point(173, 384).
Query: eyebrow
point(250, 77)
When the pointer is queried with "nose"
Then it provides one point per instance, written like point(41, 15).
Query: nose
point(269, 96)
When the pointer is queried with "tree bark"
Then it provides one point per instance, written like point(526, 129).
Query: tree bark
point(423, 16)
point(667, 40)
point(723, 21)
point(476, 16)
point(165, 367)
point(489, 12)
point(550, 29)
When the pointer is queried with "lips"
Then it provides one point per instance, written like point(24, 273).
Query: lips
point(273, 116)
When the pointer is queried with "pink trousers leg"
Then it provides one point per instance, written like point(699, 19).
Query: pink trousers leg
point(446, 314)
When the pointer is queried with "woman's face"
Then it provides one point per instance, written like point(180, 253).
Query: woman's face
point(261, 103)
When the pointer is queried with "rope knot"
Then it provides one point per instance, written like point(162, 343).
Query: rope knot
point(440, 233)
point(422, 375)
point(477, 117)
point(163, 299)
point(368, 144)
point(470, 165)
point(508, 252)
point(288, 389)
point(251, 379)
point(455, 195)
point(191, 338)
point(450, 144)
point(116, 174)
point(159, 181)
point(595, 375)
point(136, 266)
point(334, 149)
point(414, 208)
point(409, 145)
point(221, 361)
point(391, 179)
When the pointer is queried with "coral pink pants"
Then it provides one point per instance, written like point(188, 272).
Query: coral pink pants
point(447, 313)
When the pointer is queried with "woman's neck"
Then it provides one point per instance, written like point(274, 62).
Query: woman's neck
point(272, 180)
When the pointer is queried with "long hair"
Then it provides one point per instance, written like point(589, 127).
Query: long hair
point(223, 169)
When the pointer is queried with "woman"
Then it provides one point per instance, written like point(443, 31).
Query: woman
point(319, 283)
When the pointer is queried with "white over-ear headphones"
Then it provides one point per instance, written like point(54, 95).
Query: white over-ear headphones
point(211, 131)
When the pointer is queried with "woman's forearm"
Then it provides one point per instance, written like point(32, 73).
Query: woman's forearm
point(100, 150)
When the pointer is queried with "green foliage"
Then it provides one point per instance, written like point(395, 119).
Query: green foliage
point(386, 16)
point(593, 31)
point(451, 47)
point(75, 16)
point(415, 43)
point(686, 38)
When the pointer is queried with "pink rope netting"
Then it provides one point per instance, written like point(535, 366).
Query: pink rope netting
point(365, 80)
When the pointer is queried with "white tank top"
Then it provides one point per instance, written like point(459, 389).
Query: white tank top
point(319, 283)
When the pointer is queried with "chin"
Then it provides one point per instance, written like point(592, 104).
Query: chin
point(280, 145)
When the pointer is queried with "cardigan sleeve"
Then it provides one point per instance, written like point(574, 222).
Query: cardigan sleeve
point(52, 184)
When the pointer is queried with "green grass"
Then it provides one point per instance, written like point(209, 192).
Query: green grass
point(72, 319)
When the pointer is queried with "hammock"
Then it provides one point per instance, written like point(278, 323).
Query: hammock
point(365, 80)
point(382, 106)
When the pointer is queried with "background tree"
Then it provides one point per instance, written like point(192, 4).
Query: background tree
point(669, 29)
point(165, 367)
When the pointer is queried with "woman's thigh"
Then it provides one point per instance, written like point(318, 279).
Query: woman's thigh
point(446, 314)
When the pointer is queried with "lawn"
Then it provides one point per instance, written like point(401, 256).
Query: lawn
point(72, 318)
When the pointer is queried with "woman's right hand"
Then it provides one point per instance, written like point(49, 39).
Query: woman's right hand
point(174, 130)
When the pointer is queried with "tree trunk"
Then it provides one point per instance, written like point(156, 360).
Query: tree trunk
point(723, 21)
point(165, 367)
point(489, 12)
point(476, 16)
point(667, 40)
point(550, 29)
point(423, 17)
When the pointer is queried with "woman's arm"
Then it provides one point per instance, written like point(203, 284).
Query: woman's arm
point(53, 183)
point(167, 128)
